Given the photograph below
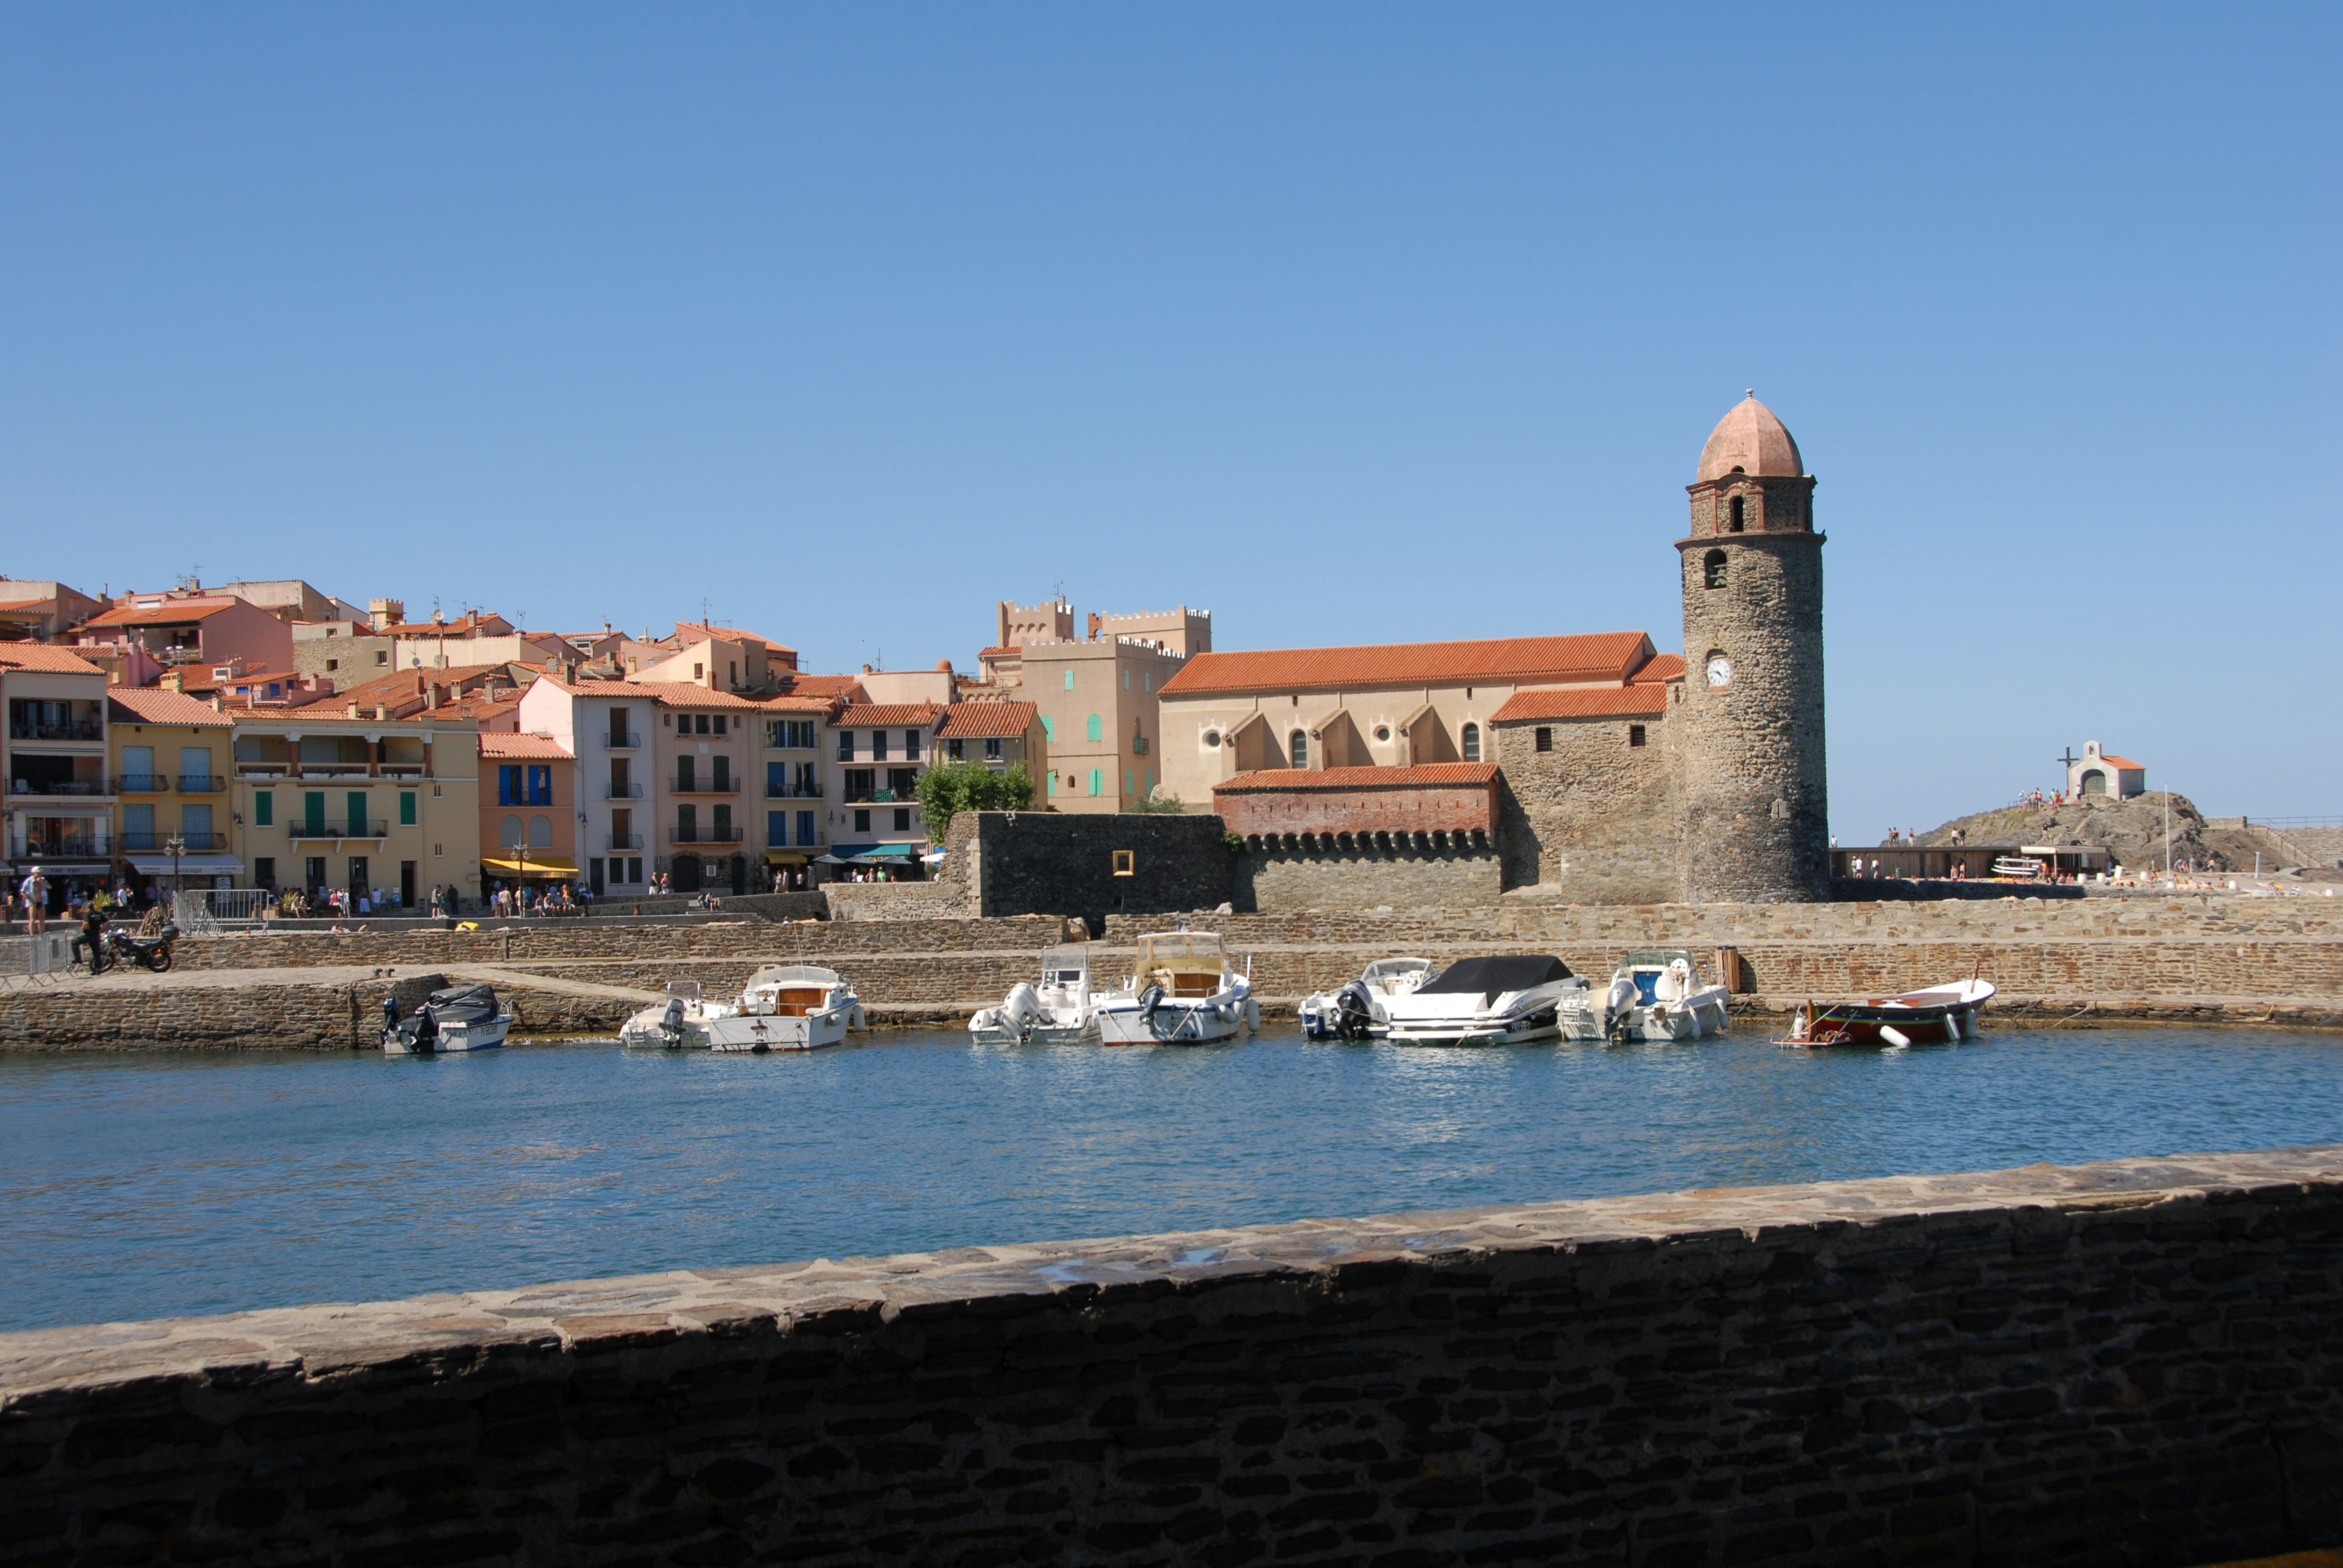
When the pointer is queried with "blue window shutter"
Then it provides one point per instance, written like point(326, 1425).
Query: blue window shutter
point(777, 828)
point(805, 829)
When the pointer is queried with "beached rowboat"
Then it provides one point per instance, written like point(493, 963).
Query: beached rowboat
point(1939, 1015)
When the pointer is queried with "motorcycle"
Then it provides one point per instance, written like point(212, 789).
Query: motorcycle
point(124, 945)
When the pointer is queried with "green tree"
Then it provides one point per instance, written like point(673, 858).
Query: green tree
point(947, 790)
point(1158, 804)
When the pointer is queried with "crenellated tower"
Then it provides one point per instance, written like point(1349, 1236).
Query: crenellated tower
point(1753, 810)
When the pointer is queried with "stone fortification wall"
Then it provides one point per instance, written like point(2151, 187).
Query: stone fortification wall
point(892, 900)
point(2128, 1363)
point(283, 1014)
point(1273, 878)
point(1057, 863)
point(1592, 819)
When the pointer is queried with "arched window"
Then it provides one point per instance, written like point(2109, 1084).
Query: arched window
point(1472, 743)
point(540, 832)
point(1714, 569)
point(508, 832)
point(1735, 525)
point(1299, 743)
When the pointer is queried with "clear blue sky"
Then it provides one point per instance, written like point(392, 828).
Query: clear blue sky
point(1348, 323)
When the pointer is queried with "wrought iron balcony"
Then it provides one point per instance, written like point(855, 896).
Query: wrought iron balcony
point(623, 840)
point(619, 741)
point(66, 729)
point(792, 792)
point(200, 783)
point(375, 828)
point(50, 847)
point(698, 785)
point(144, 784)
point(622, 792)
point(720, 833)
point(59, 786)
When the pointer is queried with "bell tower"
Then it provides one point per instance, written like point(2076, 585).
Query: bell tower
point(1753, 817)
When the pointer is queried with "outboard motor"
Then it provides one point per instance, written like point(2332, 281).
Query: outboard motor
point(671, 1021)
point(1354, 1012)
point(1619, 1007)
point(1149, 1000)
point(390, 1017)
point(1021, 1010)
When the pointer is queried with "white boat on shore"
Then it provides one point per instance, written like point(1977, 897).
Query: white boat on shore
point(1498, 1001)
point(458, 1018)
point(1360, 1009)
point(1654, 995)
point(1182, 991)
point(1062, 1010)
point(784, 1007)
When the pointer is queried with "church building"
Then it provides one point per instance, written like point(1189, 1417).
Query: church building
point(1594, 767)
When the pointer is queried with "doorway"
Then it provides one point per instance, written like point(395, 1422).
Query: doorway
point(686, 873)
point(739, 876)
point(406, 884)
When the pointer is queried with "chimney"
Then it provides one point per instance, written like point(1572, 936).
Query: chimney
point(174, 680)
point(219, 704)
point(431, 695)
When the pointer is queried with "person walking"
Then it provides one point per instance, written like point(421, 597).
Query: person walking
point(35, 891)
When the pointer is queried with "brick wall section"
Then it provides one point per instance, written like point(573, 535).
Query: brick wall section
point(2130, 1362)
point(1458, 808)
point(1592, 819)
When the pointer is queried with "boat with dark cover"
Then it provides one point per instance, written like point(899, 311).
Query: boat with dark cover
point(1491, 1001)
point(456, 1019)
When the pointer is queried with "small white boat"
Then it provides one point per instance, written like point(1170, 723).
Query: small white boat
point(1656, 995)
point(784, 1007)
point(460, 1018)
point(1062, 1010)
point(1360, 1009)
point(678, 1023)
point(1938, 1015)
point(1486, 1001)
point(1181, 991)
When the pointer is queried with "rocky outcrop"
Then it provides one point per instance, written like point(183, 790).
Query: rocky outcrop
point(2133, 831)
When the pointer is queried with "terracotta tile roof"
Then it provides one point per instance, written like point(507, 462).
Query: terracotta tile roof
point(677, 694)
point(200, 676)
point(886, 715)
point(471, 623)
point(985, 721)
point(1596, 656)
point(2115, 761)
point(797, 704)
point(541, 747)
point(1431, 775)
point(1584, 702)
point(1011, 652)
point(845, 687)
point(1664, 667)
point(170, 612)
point(153, 705)
point(730, 634)
point(407, 685)
point(42, 657)
point(481, 710)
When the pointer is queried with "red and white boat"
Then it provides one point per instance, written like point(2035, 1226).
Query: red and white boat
point(1939, 1015)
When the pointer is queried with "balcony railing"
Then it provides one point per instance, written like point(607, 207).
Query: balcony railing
point(39, 846)
point(707, 785)
point(59, 786)
point(143, 784)
point(623, 840)
point(70, 729)
point(792, 792)
point(618, 741)
point(263, 769)
point(712, 835)
point(199, 783)
point(134, 841)
point(378, 827)
point(399, 771)
point(622, 792)
point(337, 770)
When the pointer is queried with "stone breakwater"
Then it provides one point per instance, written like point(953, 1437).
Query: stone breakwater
point(2133, 1362)
point(2225, 961)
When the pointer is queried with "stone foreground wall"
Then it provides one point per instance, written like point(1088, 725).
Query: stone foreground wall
point(2134, 1362)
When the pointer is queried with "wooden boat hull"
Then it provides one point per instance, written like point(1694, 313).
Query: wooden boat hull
point(1940, 1015)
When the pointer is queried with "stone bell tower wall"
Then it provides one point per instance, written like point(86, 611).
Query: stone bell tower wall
point(1751, 795)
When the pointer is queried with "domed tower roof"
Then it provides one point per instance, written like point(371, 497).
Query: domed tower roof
point(1752, 440)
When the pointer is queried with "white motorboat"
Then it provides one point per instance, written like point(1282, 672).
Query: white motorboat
point(1360, 1009)
point(784, 1007)
point(1062, 1010)
point(1486, 1001)
point(1656, 995)
point(1181, 991)
point(460, 1018)
point(678, 1023)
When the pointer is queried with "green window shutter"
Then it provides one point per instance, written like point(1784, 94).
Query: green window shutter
point(263, 807)
point(357, 803)
point(1048, 730)
point(1098, 783)
point(406, 808)
point(1096, 733)
point(1070, 680)
point(1126, 781)
point(313, 810)
point(1052, 782)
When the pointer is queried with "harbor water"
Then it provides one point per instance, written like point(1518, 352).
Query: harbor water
point(152, 1184)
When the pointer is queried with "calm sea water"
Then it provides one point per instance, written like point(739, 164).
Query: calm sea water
point(152, 1184)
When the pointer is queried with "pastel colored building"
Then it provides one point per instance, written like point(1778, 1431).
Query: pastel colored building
point(170, 755)
point(529, 811)
point(791, 731)
point(42, 610)
point(204, 630)
point(58, 810)
point(605, 726)
point(2098, 773)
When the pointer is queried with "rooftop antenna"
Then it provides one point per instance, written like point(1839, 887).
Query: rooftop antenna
point(704, 611)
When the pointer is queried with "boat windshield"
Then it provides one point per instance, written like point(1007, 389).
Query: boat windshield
point(793, 975)
point(1065, 966)
point(1395, 969)
point(1184, 963)
point(1658, 960)
point(684, 990)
